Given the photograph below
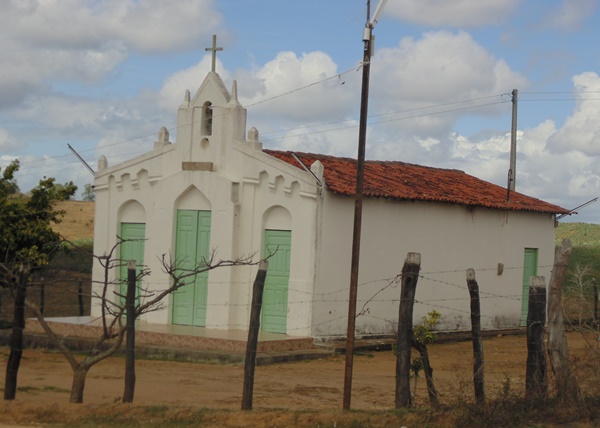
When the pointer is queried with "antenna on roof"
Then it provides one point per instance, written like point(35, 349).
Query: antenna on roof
point(591, 201)
point(81, 159)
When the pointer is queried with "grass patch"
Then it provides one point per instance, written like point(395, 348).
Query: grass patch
point(35, 389)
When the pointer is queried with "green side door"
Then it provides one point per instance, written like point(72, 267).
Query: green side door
point(530, 263)
point(275, 295)
point(133, 249)
point(192, 246)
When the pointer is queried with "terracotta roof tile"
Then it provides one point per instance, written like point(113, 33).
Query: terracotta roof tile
point(404, 181)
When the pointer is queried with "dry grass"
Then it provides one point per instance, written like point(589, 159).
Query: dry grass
point(78, 221)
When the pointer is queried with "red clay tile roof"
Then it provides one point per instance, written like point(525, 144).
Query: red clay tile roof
point(404, 181)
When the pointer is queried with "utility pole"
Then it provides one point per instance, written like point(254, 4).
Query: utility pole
point(513, 143)
point(358, 200)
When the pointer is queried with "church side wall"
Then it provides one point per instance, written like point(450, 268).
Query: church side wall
point(450, 238)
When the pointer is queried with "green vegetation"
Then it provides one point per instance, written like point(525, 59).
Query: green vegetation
point(583, 267)
point(27, 236)
point(585, 238)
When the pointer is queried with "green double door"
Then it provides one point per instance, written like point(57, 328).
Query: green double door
point(192, 246)
point(275, 294)
point(132, 248)
point(530, 261)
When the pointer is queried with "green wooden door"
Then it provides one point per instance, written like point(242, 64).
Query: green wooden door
point(133, 249)
point(530, 262)
point(192, 246)
point(275, 295)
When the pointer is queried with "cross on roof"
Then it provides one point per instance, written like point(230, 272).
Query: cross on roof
point(214, 50)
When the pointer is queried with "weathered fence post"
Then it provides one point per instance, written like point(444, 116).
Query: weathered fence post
point(80, 297)
point(42, 296)
point(595, 302)
point(566, 383)
point(250, 363)
point(410, 276)
point(478, 373)
point(130, 342)
point(536, 379)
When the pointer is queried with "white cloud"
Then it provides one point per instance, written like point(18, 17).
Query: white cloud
point(8, 142)
point(440, 68)
point(571, 14)
point(46, 40)
point(581, 130)
point(317, 102)
point(456, 13)
point(173, 90)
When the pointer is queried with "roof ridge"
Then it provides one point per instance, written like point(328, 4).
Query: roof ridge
point(367, 161)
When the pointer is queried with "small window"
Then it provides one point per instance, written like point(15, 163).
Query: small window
point(207, 118)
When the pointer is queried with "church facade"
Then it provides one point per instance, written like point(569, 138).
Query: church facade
point(217, 191)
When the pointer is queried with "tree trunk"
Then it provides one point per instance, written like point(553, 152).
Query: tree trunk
point(16, 343)
point(422, 349)
point(566, 383)
point(79, 376)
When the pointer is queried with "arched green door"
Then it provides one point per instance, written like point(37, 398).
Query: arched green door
point(275, 295)
point(530, 261)
point(192, 246)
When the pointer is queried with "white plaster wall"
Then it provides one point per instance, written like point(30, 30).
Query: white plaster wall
point(450, 239)
point(242, 185)
point(276, 196)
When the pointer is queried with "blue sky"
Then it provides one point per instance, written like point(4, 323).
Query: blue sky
point(105, 75)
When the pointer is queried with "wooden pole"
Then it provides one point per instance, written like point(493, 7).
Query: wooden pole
point(357, 225)
point(478, 372)
point(249, 365)
point(410, 276)
point(536, 379)
point(566, 383)
point(130, 342)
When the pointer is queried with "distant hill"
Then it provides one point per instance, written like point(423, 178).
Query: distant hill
point(78, 221)
point(581, 234)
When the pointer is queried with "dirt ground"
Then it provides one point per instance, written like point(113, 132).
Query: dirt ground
point(317, 385)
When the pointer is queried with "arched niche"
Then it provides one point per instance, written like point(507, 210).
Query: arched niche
point(204, 144)
point(277, 218)
point(192, 199)
point(132, 212)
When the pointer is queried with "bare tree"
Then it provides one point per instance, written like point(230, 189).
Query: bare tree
point(113, 308)
point(579, 290)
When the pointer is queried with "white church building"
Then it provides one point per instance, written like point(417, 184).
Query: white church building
point(216, 189)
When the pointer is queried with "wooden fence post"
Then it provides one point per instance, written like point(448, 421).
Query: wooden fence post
point(130, 342)
point(478, 373)
point(595, 301)
point(536, 379)
point(410, 276)
point(566, 384)
point(250, 363)
point(80, 297)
